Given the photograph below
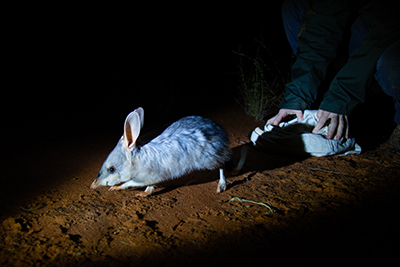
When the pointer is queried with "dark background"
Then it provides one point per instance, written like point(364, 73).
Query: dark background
point(76, 70)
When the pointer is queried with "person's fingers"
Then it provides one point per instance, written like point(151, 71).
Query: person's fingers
point(332, 130)
point(341, 128)
point(319, 126)
point(322, 118)
point(279, 118)
point(283, 113)
point(272, 120)
point(299, 115)
point(338, 124)
point(320, 113)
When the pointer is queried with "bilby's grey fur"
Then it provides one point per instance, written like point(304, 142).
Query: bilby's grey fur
point(191, 143)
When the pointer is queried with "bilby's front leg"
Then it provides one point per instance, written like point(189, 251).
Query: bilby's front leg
point(128, 184)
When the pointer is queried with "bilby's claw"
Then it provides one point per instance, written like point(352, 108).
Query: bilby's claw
point(149, 190)
point(114, 188)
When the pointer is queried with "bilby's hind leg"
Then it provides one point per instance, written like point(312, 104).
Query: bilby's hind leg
point(149, 190)
point(222, 182)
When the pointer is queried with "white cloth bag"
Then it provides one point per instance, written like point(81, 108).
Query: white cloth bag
point(296, 138)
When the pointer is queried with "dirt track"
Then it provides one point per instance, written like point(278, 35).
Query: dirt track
point(326, 210)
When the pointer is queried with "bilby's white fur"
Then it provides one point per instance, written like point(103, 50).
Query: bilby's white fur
point(191, 143)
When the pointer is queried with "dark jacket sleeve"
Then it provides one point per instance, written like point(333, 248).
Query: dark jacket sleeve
point(320, 33)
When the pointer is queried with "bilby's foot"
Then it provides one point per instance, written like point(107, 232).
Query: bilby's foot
point(115, 188)
point(222, 183)
point(149, 190)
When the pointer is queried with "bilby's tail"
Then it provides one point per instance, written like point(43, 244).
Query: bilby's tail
point(239, 166)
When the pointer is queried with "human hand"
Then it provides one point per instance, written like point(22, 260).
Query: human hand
point(283, 113)
point(338, 125)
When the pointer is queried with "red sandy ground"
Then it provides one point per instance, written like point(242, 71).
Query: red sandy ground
point(327, 211)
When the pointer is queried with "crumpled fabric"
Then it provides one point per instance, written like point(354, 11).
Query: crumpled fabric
point(296, 138)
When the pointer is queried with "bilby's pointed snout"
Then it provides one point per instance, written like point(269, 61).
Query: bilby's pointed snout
point(95, 184)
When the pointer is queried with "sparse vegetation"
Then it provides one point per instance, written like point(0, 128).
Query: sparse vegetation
point(261, 83)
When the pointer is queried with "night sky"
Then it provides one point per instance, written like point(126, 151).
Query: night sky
point(76, 71)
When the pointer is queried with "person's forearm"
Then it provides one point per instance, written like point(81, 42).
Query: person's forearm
point(320, 33)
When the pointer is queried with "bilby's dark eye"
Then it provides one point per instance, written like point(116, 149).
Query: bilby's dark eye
point(111, 169)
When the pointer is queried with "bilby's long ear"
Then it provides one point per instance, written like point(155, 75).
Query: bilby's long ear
point(131, 129)
point(140, 112)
